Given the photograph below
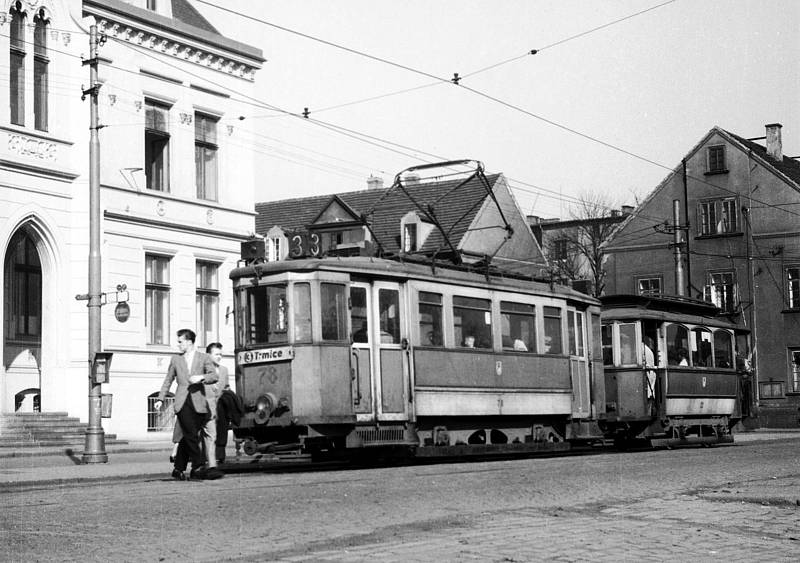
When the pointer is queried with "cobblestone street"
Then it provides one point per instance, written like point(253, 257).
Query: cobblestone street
point(737, 503)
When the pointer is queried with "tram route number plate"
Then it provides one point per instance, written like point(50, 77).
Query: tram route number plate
point(265, 355)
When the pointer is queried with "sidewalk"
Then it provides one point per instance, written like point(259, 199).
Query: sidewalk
point(150, 460)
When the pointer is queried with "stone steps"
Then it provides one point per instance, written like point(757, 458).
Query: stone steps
point(26, 430)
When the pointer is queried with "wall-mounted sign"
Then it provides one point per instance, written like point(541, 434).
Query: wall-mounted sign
point(122, 311)
point(265, 355)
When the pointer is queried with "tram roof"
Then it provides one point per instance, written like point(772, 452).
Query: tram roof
point(404, 270)
point(671, 308)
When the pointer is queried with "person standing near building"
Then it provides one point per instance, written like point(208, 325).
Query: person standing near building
point(217, 425)
point(190, 369)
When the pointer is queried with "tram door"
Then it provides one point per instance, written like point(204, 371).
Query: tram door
point(379, 364)
point(578, 363)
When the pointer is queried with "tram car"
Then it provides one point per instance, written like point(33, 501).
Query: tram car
point(673, 371)
point(352, 353)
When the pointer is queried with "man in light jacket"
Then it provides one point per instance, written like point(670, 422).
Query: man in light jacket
point(190, 369)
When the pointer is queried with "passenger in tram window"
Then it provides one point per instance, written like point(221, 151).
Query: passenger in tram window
point(683, 357)
point(434, 338)
point(519, 345)
point(469, 341)
point(649, 362)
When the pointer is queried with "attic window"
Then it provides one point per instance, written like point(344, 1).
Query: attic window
point(716, 159)
point(410, 237)
point(152, 5)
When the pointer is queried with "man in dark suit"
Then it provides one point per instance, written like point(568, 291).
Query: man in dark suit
point(190, 369)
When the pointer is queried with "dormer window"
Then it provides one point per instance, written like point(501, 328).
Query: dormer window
point(716, 159)
point(410, 237)
point(152, 5)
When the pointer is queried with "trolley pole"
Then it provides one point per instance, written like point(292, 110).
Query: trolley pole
point(94, 450)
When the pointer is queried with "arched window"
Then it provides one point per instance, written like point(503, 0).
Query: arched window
point(677, 345)
point(723, 349)
point(16, 79)
point(40, 62)
point(23, 289)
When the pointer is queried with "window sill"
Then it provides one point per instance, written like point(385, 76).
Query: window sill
point(790, 311)
point(716, 172)
point(719, 235)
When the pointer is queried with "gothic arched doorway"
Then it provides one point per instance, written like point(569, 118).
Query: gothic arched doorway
point(22, 319)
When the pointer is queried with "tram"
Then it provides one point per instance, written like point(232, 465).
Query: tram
point(673, 371)
point(361, 352)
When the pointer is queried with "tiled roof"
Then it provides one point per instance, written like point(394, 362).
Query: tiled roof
point(183, 11)
point(455, 205)
point(788, 166)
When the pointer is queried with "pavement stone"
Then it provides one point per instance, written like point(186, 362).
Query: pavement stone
point(146, 459)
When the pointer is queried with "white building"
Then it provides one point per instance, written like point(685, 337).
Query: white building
point(177, 178)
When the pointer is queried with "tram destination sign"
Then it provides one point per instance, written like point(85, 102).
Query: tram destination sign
point(265, 355)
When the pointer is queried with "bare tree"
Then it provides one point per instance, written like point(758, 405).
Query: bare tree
point(577, 248)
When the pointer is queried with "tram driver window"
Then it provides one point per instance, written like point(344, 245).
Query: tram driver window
point(267, 314)
point(302, 312)
point(334, 312)
point(430, 319)
point(389, 315)
point(553, 339)
point(472, 320)
point(518, 326)
point(627, 344)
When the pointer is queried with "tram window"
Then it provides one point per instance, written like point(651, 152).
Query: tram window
point(701, 347)
point(301, 305)
point(723, 349)
point(677, 345)
point(472, 319)
point(430, 319)
point(334, 312)
point(553, 340)
point(627, 344)
point(389, 315)
point(266, 314)
point(575, 329)
point(608, 344)
point(359, 319)
point(518, 326)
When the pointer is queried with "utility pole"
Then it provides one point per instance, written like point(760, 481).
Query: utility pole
point(676, 227)
point(94, 450)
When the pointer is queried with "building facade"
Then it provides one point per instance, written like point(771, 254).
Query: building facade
point(738, 246)
point(177, 196)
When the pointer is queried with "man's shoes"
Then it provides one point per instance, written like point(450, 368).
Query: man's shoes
point(198, 473)
point(214, 473)
point(178, 475)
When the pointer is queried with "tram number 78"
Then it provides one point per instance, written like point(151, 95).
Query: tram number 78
point(304, 244)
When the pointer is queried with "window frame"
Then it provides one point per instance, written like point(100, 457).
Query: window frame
point(714, 216)
point(793, 381)
point(640, 279)
point(206, 150)
point(792, 287)
point(710, 293)
point(41, 63)
point(157, 145)
point(153, 288)
point(716, 159)
point(16, 59)
point(207, 298)
point(772, 384)
point(512, 309)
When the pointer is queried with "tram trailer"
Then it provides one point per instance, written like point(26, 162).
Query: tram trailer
point(673, 369)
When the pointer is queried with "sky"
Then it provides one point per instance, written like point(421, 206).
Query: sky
point(606, 111)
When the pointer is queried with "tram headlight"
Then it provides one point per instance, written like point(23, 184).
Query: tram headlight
point(265, 407)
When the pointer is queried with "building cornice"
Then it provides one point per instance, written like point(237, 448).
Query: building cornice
point(148, 30)
point(172, 226)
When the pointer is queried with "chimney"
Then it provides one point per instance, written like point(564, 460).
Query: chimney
point(374, 182)
point(774, 144)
